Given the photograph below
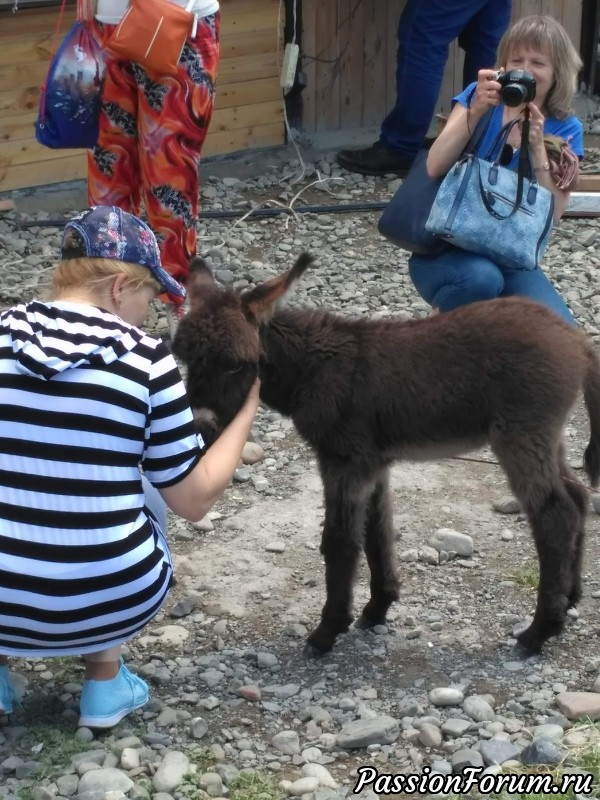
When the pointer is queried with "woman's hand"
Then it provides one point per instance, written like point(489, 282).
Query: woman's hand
point(253, 397)
point(536, 130)
point(487, 91)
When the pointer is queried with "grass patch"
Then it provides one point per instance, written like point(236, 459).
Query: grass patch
point(255, 786)
point(582, 759)
point(527, 576)
point(51, 746)
point(249, 785)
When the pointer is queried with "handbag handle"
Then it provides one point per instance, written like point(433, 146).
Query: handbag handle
point(524, 166)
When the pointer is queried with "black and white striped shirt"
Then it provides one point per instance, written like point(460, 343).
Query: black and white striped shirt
point(85, 401)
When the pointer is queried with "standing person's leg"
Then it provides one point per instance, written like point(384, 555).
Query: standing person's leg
point(535, 285)
point(113, 170)
point(425, 32)
point(481, 36)
point(174, 115)
point(455, 278)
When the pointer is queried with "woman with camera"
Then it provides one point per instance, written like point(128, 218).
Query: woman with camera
point(539, 67)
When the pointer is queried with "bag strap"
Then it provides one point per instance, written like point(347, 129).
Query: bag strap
point(479, 133)
point(525, 166)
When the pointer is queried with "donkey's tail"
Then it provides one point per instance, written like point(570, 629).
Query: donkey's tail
point(591, 394)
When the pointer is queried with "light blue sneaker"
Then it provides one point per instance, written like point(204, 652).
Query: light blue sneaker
point(7, 693)
point(104, 703)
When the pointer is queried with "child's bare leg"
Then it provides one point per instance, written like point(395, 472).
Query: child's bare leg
point(103, 665)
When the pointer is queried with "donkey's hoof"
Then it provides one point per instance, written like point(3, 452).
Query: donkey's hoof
point(520, 652)
point(365, 622)
point(529, 643)
point(309, 651)
point(318, 643)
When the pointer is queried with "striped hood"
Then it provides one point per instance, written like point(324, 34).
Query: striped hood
point(51, 338)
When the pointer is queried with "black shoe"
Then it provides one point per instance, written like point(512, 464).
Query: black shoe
point(375, 160)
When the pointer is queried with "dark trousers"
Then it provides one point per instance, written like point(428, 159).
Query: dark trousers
point(426, 29)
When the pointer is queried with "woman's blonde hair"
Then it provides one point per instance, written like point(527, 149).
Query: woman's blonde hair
point(93, 274)
point(545, 34)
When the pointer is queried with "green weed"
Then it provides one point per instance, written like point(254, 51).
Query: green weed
point(527, 576)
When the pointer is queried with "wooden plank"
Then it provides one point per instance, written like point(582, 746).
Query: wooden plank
point(309, 65)
point(249, 116)
point(588, 182)
point(328, 51)
point(247, 22)
point(22, 176)
point(28, 151)
point(35, 22)
point(374, 43)
point(18, 127)
point(351, 64)
point(240, 70)
point(15, 128)
point(16, 77)
point(19, 101)
point(246, 93)
point(237, 45)
point(30, 51)
point(572, 14)
point(523, 8)
point(243, 139)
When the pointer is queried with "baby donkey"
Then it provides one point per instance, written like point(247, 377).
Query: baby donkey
point(364, 393)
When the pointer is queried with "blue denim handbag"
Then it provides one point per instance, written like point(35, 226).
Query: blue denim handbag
point(494, 211)
point(403, 219)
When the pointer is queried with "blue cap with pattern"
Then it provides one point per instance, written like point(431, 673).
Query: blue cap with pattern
point(110, 232)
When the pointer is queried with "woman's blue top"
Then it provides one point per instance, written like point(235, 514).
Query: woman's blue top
point(569, 129)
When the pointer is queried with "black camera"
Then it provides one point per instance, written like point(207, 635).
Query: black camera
point(518, 87)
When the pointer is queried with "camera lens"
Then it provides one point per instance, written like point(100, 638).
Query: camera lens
point(514, 94)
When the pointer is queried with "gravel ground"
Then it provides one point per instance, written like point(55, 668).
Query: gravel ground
point(438, 686)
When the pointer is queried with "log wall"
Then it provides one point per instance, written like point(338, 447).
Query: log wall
point(248, 110)
point(349, 57)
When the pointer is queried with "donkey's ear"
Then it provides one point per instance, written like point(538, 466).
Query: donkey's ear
point(261, 302)
point(199, 266)
point(200, 279)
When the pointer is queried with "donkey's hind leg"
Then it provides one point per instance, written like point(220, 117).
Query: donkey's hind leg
point(579, 495)
point(381, 555)
point(342, 540)
point(534, 472)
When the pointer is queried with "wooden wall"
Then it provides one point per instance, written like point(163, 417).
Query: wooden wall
point(248, 111)
point(349, 57)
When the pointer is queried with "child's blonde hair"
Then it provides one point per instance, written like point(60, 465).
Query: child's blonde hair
point(94, 273)
point(545, 34)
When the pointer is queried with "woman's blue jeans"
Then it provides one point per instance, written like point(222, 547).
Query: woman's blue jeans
point(457, 277)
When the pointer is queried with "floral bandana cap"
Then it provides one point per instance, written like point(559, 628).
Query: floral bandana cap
point(110, 232)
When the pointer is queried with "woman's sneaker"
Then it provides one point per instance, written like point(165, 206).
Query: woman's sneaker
point(7, 693)
point(104, 703)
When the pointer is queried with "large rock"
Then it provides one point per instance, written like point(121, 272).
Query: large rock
point(104, 780)
point(452, 542)
point(363, 732)
point(578, 705)
point(174, 766)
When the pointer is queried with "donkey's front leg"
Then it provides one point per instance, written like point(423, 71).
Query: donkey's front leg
point(345, 508)
point(381, 555)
